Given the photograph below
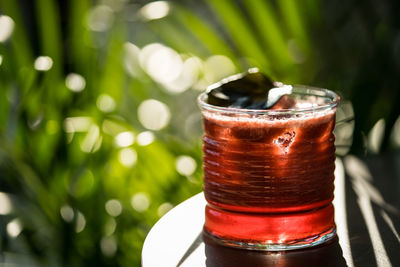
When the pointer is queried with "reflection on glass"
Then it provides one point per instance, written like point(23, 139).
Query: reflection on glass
point(328, 254)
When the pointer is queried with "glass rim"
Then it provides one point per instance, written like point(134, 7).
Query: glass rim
point(299, 89)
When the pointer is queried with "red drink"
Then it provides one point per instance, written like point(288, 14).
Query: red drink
point(268, 175)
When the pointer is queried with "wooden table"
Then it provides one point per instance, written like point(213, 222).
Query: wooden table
point(367, 215)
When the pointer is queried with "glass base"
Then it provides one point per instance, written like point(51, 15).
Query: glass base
point(268, 246)
point(270, 231)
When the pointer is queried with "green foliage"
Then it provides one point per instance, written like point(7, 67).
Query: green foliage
point(60, 179)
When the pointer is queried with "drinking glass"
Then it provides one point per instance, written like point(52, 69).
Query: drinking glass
point(268, 174)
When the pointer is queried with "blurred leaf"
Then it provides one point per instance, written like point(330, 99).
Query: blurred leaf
point(112, 76)
point(47, 13)
point(79, 39)
point(263, 16)
point(240, 31)
point(203, 31)
point(173, 34)
point(21, 49)
point(295, 23)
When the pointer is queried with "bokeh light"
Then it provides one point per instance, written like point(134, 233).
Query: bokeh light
point(131, 59)
point(108, 246)
point(218, 67)
point(140, 202)
point(77, 124)
point(43, 63)
point(100, 18)
point(185, 165)
point(14, 228)
point(106, 103)
point(164, 208)
point(375, 136)
point(75, 82)
point(67, 213)
point(6, 27)
point(153, 114)
point(189, 75)
point(92, 140)
point(5, 204)
point(113, 207)
point(145, 138)
point(162, 63)
point(395, 135)
point(155, 10)
point(80, 222)
point(127, 157)
point(124, 139)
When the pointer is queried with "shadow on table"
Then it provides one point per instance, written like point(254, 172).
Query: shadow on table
point(328, 254)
